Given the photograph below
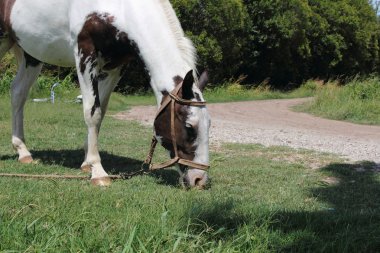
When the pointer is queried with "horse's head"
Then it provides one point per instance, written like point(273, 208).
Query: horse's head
point(182, 127)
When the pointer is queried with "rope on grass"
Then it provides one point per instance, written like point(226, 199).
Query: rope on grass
point(70, 177)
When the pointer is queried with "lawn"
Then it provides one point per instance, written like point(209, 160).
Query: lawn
point(262, 199)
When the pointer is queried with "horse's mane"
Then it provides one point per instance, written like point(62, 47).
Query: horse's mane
point(184, 44)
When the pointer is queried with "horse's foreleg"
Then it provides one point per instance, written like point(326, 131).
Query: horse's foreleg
point(28, 71)
point(106, 85)
point(96, 88)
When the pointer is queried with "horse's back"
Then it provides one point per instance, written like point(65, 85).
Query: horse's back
point(48, 30)
point(42, 29)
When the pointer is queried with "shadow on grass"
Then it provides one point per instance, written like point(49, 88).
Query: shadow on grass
point(219, 219)
point(351, 220)
point(114, 164)
point(8, 157)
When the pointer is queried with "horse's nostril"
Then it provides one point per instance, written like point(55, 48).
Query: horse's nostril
point(197, 181)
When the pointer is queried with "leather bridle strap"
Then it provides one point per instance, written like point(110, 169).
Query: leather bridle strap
point(171, 100)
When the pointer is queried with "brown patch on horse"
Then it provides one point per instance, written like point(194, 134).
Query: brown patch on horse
point(6, 7)
point(177, 80)
point(185, 136)
point(100, 39)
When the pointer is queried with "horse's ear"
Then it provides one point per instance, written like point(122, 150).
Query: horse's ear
point(187, 86)
point(203, 80)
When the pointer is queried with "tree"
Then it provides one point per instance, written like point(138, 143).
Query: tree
point(297, 39)
point(218, 29)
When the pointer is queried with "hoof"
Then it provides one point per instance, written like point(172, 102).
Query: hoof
point(101, 181)
point(26, 160)
point(86, 168)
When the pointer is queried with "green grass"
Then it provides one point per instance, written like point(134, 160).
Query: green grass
point(358, 101)
point(233, 92)
point(262, 199)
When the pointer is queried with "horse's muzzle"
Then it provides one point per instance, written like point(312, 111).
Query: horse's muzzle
point(195, 178)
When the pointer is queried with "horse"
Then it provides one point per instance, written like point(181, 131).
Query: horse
point(100, 38)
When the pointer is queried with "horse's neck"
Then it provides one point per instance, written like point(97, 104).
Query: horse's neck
point(161, 43)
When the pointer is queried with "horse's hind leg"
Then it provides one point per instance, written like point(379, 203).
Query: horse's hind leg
point(28, 71)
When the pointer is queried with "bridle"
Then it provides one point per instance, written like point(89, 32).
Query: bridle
point(171, 100)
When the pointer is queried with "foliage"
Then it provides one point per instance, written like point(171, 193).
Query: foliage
point(218, 30)
point(285, 42)
point(43, 86)
point(5, 81)
point(280, 42)
point(357, 102)
point(51, 75)
point(297, 40)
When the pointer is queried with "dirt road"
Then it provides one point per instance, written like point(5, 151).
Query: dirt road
point(272, 122)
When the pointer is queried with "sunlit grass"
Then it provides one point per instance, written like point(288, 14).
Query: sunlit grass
point(358, 101)
point(262, 199)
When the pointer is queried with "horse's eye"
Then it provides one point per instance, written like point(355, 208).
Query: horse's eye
point(191, 132)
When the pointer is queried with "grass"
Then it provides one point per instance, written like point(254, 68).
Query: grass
point(262, 199)
point(357, 102)
point(234, 91)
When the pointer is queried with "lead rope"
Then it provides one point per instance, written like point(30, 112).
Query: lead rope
point(153, 145)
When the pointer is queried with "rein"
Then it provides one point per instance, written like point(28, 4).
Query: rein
point(147, 166)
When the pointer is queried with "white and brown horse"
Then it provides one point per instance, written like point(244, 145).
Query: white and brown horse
point(100, 38)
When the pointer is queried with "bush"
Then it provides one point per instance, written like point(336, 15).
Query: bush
point(44, 83)
point(42, 87)
point(364, 90)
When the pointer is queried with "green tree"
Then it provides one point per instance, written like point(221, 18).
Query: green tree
point(219, 31)
point(294, 40)
point(278, 44)
point(353, 34)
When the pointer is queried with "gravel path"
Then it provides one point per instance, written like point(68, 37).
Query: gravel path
point(271, 122)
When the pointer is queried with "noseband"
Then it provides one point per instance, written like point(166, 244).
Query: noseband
point(171, 100)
